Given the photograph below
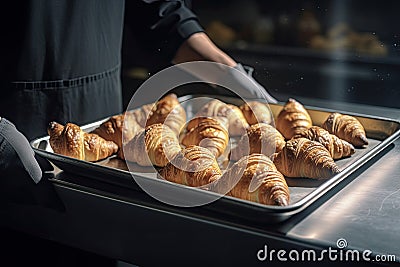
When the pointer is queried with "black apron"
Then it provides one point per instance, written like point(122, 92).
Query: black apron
point(60, 61)
point(32, 105)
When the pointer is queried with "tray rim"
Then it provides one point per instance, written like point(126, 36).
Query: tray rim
point(289, 210)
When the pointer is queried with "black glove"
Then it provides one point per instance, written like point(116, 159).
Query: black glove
point(15, 149)
point(17, 162)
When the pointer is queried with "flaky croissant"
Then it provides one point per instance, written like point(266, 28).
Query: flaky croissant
point(338, 148)
point(119, 129)
point(193, 166)
point(236, 121)
point(192, 123)
point(169, 111)
point(208, 133)
point(155, 145)
point(347, 128)
point(260, 138)
point(254, 178)
point(293, 119)
point(70, 140)
point(305, 158)
point(256, 112)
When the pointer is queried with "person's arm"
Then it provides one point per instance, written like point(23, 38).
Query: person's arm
point(171, 29)
point(199, 47)
point(161, 27)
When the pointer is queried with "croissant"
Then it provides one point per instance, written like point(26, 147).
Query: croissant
point(256, 112)
point(119, 129)
point(236, 121)
point(347, 128)
point(338, 148)
point(141, 114)
point(305, 158)
point(260, 138)
point(254, 178)
point(155, 145)
point(196, 121)
point(293, 119)
point(169, 111)
point(193, 166)
point(208, 133)
point(71, 141)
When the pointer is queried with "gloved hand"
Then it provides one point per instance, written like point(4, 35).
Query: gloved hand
point(236, 79)
point(15, 149)
point(251, 88)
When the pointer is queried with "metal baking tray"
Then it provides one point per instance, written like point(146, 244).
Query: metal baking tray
point(381, 132)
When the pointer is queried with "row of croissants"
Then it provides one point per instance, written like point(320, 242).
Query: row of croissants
point(186, 152)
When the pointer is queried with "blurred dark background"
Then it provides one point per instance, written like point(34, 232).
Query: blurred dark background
point(336, 50)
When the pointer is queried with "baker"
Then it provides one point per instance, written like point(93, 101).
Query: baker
point(61, 61)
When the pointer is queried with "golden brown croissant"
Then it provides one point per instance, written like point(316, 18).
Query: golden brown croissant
point(338, 148)
point(119, 129)
point(305, 158)
point(254, 178)
point(208, 133)
point(193, 166)
point(256, 112)
point(155, 145)
point(169, 111)
point(260, 138)
point(71, 141)
point(236, 121)
point(293, 119)
point(196, 120)
point(347, 128)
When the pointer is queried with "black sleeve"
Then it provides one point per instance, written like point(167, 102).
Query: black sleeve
point(161, 26)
